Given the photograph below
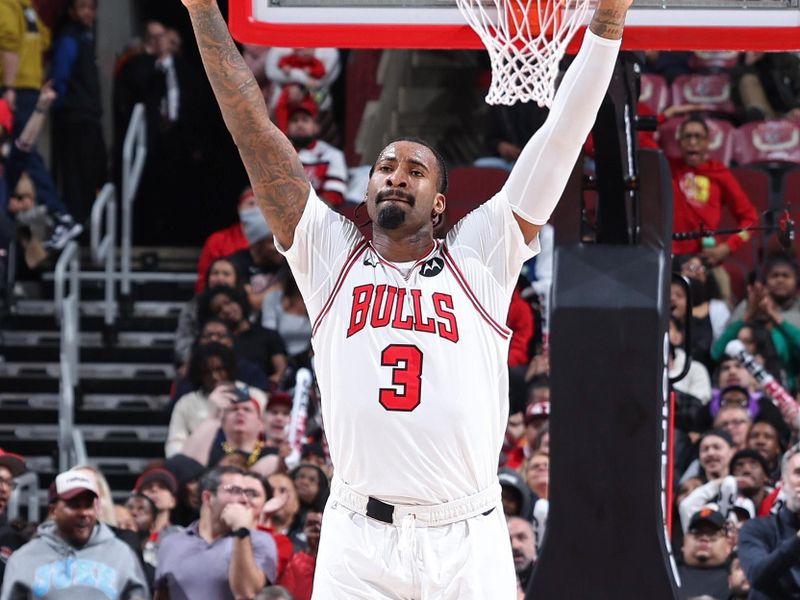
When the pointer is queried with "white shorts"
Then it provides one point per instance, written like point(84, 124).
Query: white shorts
point(364, 558)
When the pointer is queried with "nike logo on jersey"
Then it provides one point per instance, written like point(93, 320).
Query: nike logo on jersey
point(383, 306)
point(369, 261)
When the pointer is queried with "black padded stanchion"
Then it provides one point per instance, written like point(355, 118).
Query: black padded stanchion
point(605, 535)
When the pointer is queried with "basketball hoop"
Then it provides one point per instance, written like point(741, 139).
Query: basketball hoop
point(525, 39)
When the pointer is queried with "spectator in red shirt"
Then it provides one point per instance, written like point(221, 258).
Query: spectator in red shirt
point(701, 187)
point(226, 241)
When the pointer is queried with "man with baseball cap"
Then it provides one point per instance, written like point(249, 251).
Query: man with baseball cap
point(706, 548)
point(73, 556)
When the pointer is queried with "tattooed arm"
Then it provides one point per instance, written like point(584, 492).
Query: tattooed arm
point(275, 171)
point(609, 18)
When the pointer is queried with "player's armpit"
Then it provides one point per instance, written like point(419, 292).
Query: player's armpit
point(275, 171)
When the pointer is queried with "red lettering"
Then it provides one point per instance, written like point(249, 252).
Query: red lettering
point(443, 305)
point(381, 318)
point(420, 324)
point(398, 322)
point(362, 295)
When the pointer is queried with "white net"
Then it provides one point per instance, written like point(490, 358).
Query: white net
point(525, 39)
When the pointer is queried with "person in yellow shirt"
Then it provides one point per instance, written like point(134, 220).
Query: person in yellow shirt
point(24, 39)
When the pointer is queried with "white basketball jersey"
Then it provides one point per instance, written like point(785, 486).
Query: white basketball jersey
point(412, 366)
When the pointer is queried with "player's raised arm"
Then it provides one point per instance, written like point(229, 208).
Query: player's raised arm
point(275, 171)
point(541, 172)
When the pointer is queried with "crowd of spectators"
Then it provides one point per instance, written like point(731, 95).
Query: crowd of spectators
point(234, 507)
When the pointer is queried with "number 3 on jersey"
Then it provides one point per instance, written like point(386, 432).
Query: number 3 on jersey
point(406, 363)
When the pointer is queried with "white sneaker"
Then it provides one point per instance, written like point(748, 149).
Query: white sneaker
point(66, 229)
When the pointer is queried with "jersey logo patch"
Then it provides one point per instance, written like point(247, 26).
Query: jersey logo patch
point(369, 261)
point(432, 267)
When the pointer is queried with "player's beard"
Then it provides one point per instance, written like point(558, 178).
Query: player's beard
point(391, 216)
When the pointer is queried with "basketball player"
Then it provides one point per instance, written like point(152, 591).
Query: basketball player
point(408, 331)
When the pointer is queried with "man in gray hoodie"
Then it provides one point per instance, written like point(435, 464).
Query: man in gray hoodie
point(73, 556)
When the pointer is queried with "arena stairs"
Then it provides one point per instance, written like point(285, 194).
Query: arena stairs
point(123, 389)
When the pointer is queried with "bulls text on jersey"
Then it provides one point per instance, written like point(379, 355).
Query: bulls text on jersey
point(382, 306)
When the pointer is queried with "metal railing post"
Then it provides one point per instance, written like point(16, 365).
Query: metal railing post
point(134, 154)
point(67, 314)
point(103, 252)
point(27, 492)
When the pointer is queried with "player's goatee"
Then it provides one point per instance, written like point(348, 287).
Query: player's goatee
point(391, 216)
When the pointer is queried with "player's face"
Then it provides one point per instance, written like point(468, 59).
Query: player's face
point(694, 144)
point(764, 439)
point(402, 193)
point(715, 455)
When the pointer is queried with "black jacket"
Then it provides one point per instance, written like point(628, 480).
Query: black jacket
point(769, 551)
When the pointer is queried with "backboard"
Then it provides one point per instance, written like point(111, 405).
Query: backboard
point(437, 24)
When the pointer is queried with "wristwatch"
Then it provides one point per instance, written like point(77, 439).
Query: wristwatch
point(240, 533)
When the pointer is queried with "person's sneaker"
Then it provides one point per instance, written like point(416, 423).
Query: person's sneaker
point(65, 229)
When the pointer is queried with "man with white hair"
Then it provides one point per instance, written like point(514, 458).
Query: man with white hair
point(769, 547)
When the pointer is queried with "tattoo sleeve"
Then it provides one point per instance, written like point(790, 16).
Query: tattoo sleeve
point(608, 22)
point(274, 169)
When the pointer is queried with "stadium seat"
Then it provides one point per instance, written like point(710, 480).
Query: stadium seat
point(470, 187)
point(719, 143)
point(655, 92)
point(713, 62)
point(713, 91)
point(763, 142)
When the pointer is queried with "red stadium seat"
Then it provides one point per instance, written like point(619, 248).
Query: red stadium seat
point(774, 141)
point(719, 142)
point(655, 92)
point(756, 185)
point(470, 187)
point(713, 62)
point(712, 91)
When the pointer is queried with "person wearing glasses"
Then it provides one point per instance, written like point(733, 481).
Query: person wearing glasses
point(705, 552)
point(230, 558)
point(701, 188)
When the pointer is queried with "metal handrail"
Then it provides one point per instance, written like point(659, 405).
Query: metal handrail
point(27, 484)
point(134, 154)
point(68, 266)
point(103, 250)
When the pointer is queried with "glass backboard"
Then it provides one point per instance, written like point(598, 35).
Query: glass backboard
point(437, 24)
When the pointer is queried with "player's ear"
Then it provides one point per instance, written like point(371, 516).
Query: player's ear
point(439, 205)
